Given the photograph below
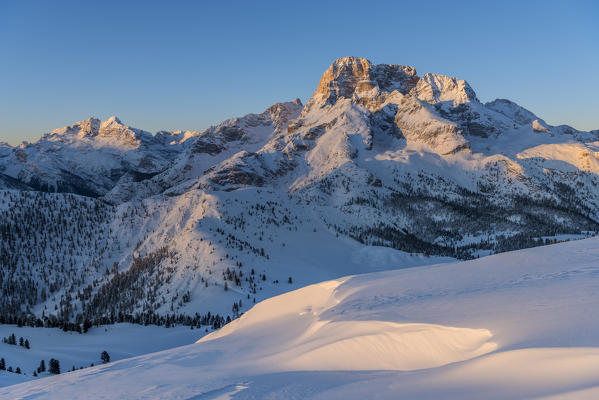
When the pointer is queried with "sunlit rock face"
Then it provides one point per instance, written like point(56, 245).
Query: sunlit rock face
point(92, 127)
point(353, 75)
point(86, 128)
point(387, 97)
point(538, 126)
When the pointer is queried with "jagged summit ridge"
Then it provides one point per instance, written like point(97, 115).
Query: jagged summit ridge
point(434, 110)
point(434, 88)
point(93, 127)
point(90, 157)
point(88, 127)
point(357, 107)
point(350, 75)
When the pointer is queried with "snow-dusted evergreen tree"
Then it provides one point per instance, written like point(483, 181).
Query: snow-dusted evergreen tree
point(54, 366)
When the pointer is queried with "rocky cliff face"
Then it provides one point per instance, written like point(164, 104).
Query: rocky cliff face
point(353, 75)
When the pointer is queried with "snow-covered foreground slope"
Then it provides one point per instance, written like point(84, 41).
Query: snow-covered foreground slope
point(514, 325)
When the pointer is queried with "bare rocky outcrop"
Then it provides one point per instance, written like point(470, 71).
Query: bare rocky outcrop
point(353, 75)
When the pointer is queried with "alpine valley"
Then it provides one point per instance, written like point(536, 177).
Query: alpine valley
point(382, 168)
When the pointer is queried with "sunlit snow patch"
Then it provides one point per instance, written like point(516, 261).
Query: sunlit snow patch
point(382, 345)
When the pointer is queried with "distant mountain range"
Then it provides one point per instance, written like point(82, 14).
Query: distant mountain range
point(382, 168)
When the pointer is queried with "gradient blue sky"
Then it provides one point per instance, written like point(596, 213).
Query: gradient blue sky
point(186, 65)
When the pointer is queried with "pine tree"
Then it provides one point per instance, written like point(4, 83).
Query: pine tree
point(54, 366)
point(42, 367)
point(105, 357)
point(27, 344)
point(18, 370)
point(2, 364)
point(21, 341)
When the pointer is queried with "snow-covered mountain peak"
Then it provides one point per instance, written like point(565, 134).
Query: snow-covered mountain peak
point(390, 101)
point(434, 88)
point(511, 110)
point(350, 75)
point(372, 85)
point(88, 127)
point(113, 118)
point(115, 129)
point(342, 78)
point(92, 128)
point(281, 113)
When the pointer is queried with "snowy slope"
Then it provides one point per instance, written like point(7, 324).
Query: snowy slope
point(81, 350)
point(69, 258)
point(513, 325)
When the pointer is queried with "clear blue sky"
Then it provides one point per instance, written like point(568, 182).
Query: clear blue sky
point(186, 65)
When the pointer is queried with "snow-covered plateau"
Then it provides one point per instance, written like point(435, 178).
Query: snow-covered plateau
point(516, 325)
